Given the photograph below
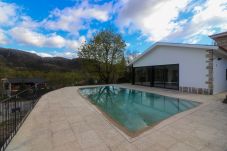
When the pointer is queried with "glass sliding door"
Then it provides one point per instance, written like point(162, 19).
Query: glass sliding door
point(143, 76)
point(163, 76)
point(172, 77)
point(166, 76)
point(137, 75)
point(159, 76)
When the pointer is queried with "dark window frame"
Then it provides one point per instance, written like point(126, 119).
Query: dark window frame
point(152, 78)
point(225, 74)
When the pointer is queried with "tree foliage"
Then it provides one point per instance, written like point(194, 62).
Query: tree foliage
point(55, 79)
point(103, 56)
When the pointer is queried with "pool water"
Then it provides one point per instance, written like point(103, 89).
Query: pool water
point(135, 110)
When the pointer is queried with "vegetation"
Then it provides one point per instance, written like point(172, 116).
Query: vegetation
point(103, 57)
point(100, 61)
point(28, 61)
point(54, 78)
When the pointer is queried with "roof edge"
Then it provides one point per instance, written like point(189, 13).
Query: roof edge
point(198, 46)
point(218, 35)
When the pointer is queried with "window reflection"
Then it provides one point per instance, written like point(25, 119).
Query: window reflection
point(164, 76)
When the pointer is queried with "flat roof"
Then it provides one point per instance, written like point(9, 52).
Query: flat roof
point(198, 46)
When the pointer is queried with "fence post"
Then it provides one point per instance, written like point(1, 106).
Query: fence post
point(13, 112)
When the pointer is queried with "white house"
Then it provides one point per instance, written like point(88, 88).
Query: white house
point(189, 68)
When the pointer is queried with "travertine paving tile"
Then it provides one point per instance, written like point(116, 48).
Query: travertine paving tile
point(88, 139)
point(182, 147)
point(62, 137)
point(101, 147)
point(70, 146)
point(124, 146)
point(196, 142)
point(213, 147)
point(80, 127)
point(58, 126)
point(155, 147)
point(64, 121)
point(19, 148)
point(165, 140)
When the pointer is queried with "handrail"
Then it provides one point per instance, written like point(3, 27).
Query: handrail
point(13, 112)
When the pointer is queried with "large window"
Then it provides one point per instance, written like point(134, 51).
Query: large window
point(142, 76)
point(165, 76)
point(159, 76)
point(172, 76)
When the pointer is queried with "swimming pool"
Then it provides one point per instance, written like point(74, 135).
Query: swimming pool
point(132, 109)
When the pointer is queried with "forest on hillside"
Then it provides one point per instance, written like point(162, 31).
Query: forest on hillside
point(59, 72)
point(55, 79)
point(100, 61)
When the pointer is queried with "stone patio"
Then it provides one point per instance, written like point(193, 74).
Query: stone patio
point(64, 121)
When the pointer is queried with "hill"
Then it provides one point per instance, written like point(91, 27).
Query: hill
point(19, 59)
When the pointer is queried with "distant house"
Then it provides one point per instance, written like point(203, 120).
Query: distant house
point(13, 85)
point(192, 68)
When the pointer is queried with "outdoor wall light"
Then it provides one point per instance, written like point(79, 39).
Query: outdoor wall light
point(219, 58)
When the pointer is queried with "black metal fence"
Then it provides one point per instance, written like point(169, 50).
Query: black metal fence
point(13, 112)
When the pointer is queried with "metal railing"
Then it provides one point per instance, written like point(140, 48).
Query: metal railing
point(13, 112)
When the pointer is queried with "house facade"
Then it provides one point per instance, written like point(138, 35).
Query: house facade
point(192, 68)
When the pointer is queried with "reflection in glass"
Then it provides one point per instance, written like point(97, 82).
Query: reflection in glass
point(164, 76)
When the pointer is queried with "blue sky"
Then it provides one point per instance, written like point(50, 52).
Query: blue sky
point(58, 27)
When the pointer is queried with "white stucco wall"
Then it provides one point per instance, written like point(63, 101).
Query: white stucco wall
point(219, 67)
point(192, 63)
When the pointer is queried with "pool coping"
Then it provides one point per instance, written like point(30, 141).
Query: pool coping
point(145, 131)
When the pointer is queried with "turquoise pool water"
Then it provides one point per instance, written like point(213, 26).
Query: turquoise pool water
point(135, 110)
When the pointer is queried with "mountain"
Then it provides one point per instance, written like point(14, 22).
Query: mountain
point(25, 60)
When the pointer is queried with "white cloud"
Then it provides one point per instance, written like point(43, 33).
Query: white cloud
point(207, 19)
point(68, 54)
point(28, 22)
point(55, 40)
point(162, 20)
point(7, 13)
point(33, 38)
point(42, 54)
point(91, 32)
point(65, 54)
point(128, 44)
point(3, 38)
point(73, 19)
point(27, 31)
point(155, 19)
point(27, 36)
point(132, 56)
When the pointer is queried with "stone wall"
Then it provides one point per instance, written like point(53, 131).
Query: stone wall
point(195, 90)
point(210, 74)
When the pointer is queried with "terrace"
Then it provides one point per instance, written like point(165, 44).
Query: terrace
point(64, 120)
